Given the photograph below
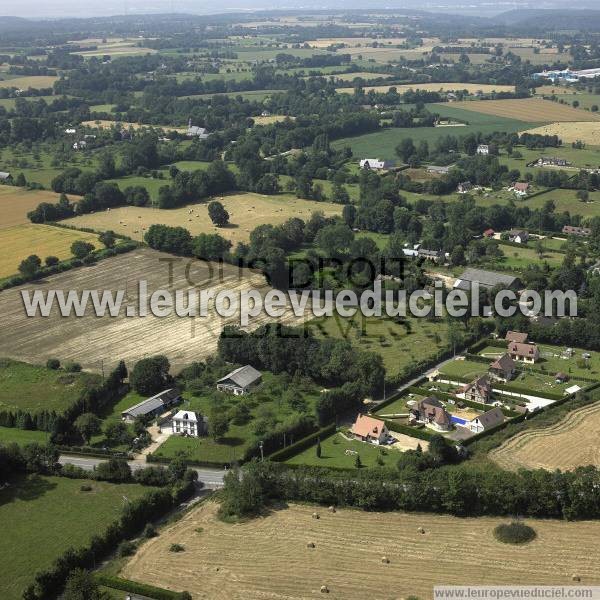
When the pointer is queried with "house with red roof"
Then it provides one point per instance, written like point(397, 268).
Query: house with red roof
point(368, 429)
point(528, 353)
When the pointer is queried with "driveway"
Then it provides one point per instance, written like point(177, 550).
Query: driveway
point(158, 436)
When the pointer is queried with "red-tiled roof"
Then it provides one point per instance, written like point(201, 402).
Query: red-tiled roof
point(367, 427)
point(516, 336)
point(523, 350)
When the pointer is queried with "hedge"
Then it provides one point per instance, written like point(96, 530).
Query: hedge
point(95, 452)
point(421, 434)
point(134, 587)
point(302, 444)
point(163, 460)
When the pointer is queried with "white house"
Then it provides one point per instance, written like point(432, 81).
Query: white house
point(368, 429)
point(197, 132)
point(374, 164)
point(486, 420)
point(80, 145)
point(186, 422)
point(483, 149)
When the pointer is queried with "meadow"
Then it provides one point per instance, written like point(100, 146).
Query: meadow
point(10, 435)
point(246, 211)
point(399, 344)
point(241, 561)
point(43, 516)
point(580, 130)
point(21, 241)
point(471, 88)
point(32, 81)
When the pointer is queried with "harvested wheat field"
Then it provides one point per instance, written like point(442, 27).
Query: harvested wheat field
point(585, 131)
point(105, 124)
point(570, 443)
point(271, 119)
point(16, 202)
point(472, 88)
point(531, 110)
point(90, 340)
point(268, 558)
point(31, 81)
point(246, 211)
point(20, 241)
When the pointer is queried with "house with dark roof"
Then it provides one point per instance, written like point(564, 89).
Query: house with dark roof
point(528, 353)
point(464, 187)
point(516, 336)
point(502, 369)
point(489, 233)
point(152, 407)
point(240, 381)
point(368, 429)
point(5, 176)
point(436, 256)
point(486, 420)
point(479, 390)
point(432, 413)
point(485, 279)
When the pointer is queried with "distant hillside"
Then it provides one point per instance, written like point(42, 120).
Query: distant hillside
point(550, 19)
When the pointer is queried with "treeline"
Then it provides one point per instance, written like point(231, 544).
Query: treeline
point(292, 350)
point(463, 490)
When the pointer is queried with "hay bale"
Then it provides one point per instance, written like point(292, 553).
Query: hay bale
point(576, 578)
point(331, 509)
point(315, 516)
point(324, 589)
point(385, 560)
point(310, 545)
point(421, 530)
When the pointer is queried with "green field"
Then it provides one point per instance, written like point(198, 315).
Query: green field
point(382, 144)
point(33, 388)
point(43, 516)
point(256, 95)
point(333, 454)
point(523, 257)
point(267, 405)
point(399, 344)
point(9, 435)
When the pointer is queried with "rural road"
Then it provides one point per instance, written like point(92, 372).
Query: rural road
point(211, 478)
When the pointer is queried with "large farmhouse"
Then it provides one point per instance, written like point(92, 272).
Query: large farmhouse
point(485, 279)
point(368, 429)
point(153, 406)
point(502, 369)
point(479, 390)
point(528, 353)
point(186, 422)
point(241, 381)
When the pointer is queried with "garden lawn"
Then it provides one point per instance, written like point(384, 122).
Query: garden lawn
point(399, 344)
point(43, 516)
point(33, 388)
point(333, 454)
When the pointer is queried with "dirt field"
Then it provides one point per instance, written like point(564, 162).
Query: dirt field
point(91, 340)
point(16, 202)
point(532, 110)
point(33, 81)
point(44, 240)
point(268, 558)
point(246, 211)
point(472, 88)
point(104, 124)
point(587, 132)
point(271, 119)
point(571, 443)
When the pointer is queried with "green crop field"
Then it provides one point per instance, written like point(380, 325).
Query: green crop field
point(399, 344)
point(43, 516)
point(34, 388)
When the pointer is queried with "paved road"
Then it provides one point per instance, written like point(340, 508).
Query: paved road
point(211, 478)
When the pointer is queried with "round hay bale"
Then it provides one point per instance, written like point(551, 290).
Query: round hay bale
point(310, 545)
point(324, 589)
point(421, 530)
point(576, 578)
point(315, 516)
point(385, 560)
point(331, 509)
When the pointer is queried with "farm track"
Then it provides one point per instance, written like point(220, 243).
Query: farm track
point(572, 442)
point(98, 342)
point(268, 558)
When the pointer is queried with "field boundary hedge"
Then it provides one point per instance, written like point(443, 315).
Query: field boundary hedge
point(303, 444)
point(134, 587)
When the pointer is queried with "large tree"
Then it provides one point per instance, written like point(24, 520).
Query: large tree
point(150, 375)
point(217, 213)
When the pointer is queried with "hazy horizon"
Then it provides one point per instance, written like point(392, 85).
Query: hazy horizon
point(53, 9)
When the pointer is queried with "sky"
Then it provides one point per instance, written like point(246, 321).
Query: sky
point(93, 8)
